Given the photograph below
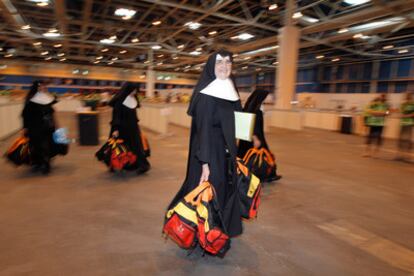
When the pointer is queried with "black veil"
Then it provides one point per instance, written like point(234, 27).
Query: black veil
point(126, 89)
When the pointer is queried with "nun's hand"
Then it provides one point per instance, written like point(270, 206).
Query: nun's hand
point(115, 133)
point(204, 174)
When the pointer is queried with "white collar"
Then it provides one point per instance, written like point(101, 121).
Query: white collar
point(42, 98)
point(222, 89)
point(130, 101)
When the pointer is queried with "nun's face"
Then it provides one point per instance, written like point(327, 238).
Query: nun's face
point(222, 69)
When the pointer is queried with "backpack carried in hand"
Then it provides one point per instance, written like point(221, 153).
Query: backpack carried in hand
point(260, 162)
point(19, 152)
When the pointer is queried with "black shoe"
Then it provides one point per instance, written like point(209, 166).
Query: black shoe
point(45, 169)
point(36, 168)
point(143, 169)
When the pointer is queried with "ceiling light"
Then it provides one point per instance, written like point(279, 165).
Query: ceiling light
point(75, 71)
point(8, 55)
point(98, 58)
point(378, 24)
point(25, 27)
point(48, 58)
point(356, 2)
point(53, 30)
point(44, 53)
point(62, 59)
point(245, 67)
point(335, 59)
point(358, 35)
point(104, 50)
point(160, 63)
point(142, 77)
point(110, 62)
point(181, 46)
point(160, 56)
point(3, 66)
point(37, 43)
point(156, 23)
point(297, 15)
point(365, 37)
point(147, 61)
point(57, 45)
point(123, 52)
point(195, 53)
point(167, 78)
point(276, 62)
point(160, 77)
point(272, 7)
point(246, 58)
point(1, 49)
point(177, 69)
point(310, 19)
point(42, 4)
point(387, 47)
point(188, 66)
point(113, 37)
point(97, 61)
point(199, 49)
point(245, 36)
point(114, 58)
point(156, 47)
point(192, 25)
point(320, 56)
point(107, 41)
point(60, 54)
point(134, 40)
point(51, 34)
point(343, 30)
point(212, 33)
point(85, 72)
point(403, 51)
point(125, 13)
point(175, 57)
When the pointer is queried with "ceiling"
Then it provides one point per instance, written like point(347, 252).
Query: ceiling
point(368, 32)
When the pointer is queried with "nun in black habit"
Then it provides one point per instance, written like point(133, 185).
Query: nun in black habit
point(39, 125)
point(213, 149)
point(253, 105)
point(124, 124)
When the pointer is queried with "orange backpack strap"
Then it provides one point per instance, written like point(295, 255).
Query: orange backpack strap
point(20, 141)
point(193, 196)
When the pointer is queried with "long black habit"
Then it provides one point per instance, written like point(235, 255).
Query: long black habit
point(252, 105)
point(125, 121)
point(39, 122)
point(212, 141)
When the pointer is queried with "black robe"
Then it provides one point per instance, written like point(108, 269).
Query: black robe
point(125, 121)
point(213, 141)
point(258, 131)
point(39, 121)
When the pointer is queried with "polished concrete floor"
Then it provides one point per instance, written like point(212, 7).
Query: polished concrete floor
point(333, 213)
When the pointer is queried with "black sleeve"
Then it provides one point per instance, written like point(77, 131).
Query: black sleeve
point(116, 117)
point(204, 120)
point(258, 126)
point(26, 116)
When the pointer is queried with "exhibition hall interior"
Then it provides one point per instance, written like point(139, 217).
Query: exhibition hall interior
point(216, 137)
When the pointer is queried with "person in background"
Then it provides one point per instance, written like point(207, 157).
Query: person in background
point(405, 143)
point(375, 114)
point(39, 125)
point(124, 124)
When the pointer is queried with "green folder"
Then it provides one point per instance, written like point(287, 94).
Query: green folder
point(244, 125)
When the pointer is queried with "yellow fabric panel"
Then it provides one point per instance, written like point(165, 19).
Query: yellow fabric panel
point(254, 183)
point(183, 211)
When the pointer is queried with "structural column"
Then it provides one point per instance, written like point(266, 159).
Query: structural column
point(287, 56)
point(150, 85)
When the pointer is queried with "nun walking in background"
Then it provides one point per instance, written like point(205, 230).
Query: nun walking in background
point(213, 149)
point(39, 125)
point(253, 105)
point(124, 124)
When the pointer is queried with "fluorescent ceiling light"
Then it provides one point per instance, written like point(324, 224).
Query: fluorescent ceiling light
point(175, 57)
point(110, 62)
point(85, 72)
point(123, 52)
point(336, 59)
point(167, 78)
point(51, 34)
point(199, 49)
point(107, 41)
point(156, 47)
point(212, 32)
point(309, 19)
point(387, 47)
point(195, 53)
point(75, 71)
point(188, 66)
point(25, 27)
point(160, 77)
point(48, 58)
point(57, 45)
point(62, 59)
point(160, 63)
point(97, 61)
point(146, 62)
point(3, 66)
point(181, 46)
point(44, 53)
point(135, 40)
point(403, 51)
point(193, 25)
point(245, 67)
point(358, 35)
point(156, 23)
point(142, 77)
point(272, 7)
point(243, 36)
point(8, 55)
point(100, 57)
point(356, 2)
point(160, 56)
point(378, 24)
point(125, 13)
point(114, 58)
point(60, 54)
point(343, 30)
point(37, 43)
point(104, 50)
point(261, 50)
point(297, 15)
point(113, 37)
point(320, 56)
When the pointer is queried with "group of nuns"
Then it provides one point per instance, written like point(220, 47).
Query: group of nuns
point(212, 151)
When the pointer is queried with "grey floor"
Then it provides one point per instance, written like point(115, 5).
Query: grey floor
point(333, 213)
